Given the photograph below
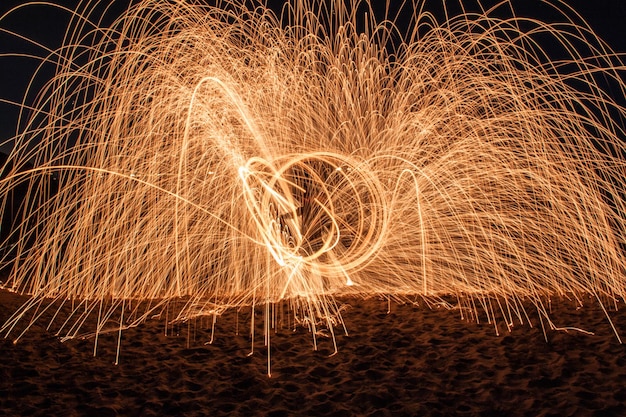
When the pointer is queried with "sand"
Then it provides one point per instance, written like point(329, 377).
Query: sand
point(412, 361)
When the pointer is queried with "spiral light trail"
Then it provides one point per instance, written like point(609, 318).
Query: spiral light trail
point(222, 156)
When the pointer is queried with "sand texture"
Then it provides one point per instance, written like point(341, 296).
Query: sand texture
point(412, 361)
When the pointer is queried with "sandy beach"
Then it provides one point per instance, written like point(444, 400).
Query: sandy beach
point(412, 361)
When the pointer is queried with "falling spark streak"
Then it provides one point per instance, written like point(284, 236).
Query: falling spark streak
point(214, 157)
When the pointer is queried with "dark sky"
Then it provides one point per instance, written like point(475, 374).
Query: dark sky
point(45, 24)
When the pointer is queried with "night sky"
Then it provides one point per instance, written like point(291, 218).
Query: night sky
point(46, 25)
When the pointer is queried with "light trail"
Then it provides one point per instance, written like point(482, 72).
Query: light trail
point(229, 158)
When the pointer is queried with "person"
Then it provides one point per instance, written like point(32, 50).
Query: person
point(310, 215)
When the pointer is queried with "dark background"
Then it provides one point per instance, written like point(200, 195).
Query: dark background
point(46, 25)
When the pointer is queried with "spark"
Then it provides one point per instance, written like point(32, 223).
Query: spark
point(294, 159)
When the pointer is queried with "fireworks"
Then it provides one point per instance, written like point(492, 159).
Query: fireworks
point(220, 156)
